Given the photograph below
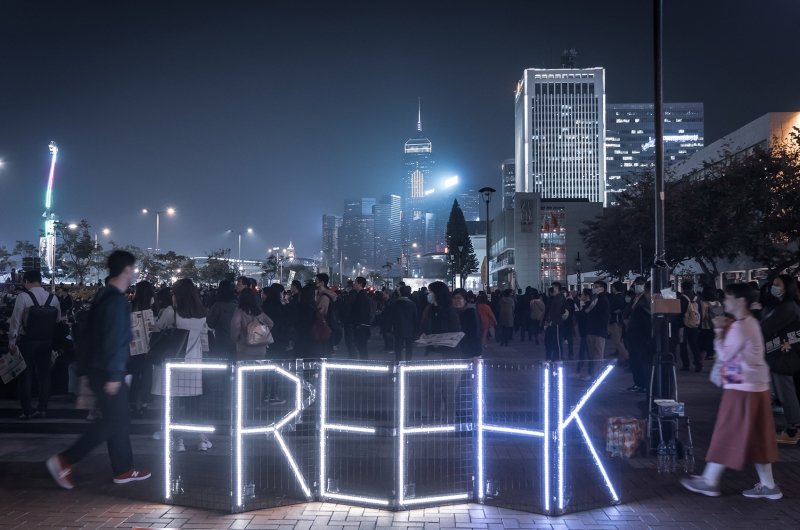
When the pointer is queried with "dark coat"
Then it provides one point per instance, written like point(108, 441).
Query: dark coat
point(597, 317)
point(403, 318)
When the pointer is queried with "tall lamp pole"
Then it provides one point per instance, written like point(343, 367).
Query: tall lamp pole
point(170, 212)
point(663, 378)
point(460, 267)
point(486, 192)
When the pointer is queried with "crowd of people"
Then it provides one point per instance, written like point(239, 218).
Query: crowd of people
point(238, 320)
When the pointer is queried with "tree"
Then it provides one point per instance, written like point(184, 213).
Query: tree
point(25, 249)
point(76, 250)
point(217, 266)
point(270, 268)
point(5, 259)
point(459, 245)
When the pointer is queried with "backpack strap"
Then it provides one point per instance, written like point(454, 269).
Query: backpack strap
point(49, 299)
point(35, 302)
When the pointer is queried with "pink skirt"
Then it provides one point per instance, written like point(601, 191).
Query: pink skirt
point(745, 430)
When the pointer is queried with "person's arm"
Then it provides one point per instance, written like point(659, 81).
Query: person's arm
point(776, 321)
point(166, 319)
point(212, 320)
point(236, 326)
point(728, 341)
point(267, 321)
point(116, 339)
point(15, 322)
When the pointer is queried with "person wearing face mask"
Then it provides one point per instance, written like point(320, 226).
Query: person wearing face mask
point(784, 317)
point(597, 319)
point(108, 336)
point(744, 430)
point(638, 334)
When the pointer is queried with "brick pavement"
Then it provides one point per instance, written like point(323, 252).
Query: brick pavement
point(28, 498)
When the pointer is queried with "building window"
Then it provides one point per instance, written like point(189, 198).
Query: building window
point(553, 245)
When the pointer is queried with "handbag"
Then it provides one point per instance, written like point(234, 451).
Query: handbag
point(169, 343)
point(258, 333)
point(782, 353)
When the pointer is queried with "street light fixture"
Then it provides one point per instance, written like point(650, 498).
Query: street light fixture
point(487, 192)
point(170, 212)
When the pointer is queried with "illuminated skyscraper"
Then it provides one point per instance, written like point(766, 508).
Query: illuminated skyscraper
point(560, 133)
point(508, 182)
point(330, 236)
point(387, 231)
point(357, 234)
point(630, 139)
point(418, 166)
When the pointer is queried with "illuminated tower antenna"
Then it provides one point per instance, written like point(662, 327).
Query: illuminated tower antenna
point(419, 114)
point(50, 220)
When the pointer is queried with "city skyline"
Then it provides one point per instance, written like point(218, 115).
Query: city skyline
point(175, 107)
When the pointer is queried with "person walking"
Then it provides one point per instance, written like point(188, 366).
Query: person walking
point(31, 330)
point(361, 317)
point(488, 320)
point(638, 324)
point(744, 431)
point(108, 337)
point(537, 315)
point(248, 315)
point(554, 314)
point(691, 320)
point(470, 324)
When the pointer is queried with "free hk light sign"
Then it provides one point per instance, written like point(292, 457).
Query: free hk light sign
point(386, 435)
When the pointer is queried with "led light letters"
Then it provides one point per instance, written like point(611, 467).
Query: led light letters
point(548, 435)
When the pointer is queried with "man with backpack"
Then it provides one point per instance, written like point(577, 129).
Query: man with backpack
point(689, 327)
point(32, 327)
point(103, 354)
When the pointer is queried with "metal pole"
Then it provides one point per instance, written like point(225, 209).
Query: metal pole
point(158, 226)
point(663, 380)
point(488, 249)
point(240, 252)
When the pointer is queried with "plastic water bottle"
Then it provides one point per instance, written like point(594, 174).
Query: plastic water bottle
point(661, 451)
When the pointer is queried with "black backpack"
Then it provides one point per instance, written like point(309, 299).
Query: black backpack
point(334, 320)
point(42, 320)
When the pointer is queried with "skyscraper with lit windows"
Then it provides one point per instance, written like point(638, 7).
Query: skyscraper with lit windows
point(418, 165)
point(560, 133)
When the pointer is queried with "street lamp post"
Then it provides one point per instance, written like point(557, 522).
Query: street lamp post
point(460, 267)
point(486, 192)
point(169, 211)
point(249, 231)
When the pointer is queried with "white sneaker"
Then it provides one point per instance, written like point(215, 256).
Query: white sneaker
point(179, 446)
point(205, 444)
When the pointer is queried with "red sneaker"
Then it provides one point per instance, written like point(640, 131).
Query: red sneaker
point(60, 471)
point(132, 475)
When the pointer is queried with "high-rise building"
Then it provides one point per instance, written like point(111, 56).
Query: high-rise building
point(387, 231)
point(560, 133)
point(470, 202)
point(418, 166)
point(357, 233)
point(630, 140)
point(508, 182)
point(330, 236)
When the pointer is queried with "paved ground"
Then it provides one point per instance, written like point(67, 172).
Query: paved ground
point(29, 499)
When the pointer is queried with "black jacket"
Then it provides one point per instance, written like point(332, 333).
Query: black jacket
point(597, 317)
point(109, 334)
point(777, 319)
point(471, 326)
point(402, 316)
point(361, 309)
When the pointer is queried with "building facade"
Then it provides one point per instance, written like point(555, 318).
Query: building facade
point(357, 233)
point(630, 140)
point(418, 166)
point(560, 133)
point(330, 236)
point(387, 216)
point(508, 182)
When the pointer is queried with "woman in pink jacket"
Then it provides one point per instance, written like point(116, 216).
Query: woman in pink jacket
point(745, 430)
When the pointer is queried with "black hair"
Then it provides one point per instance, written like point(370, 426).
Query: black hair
point(441, 294)
point(249, 302)
point(144, 297)
point(618, 287)
point(324, 278)
point(118, 260)
point(361, 280)
point(556, 284)
point(226, 292)
point(274, 291)
point(587, 292)
point(601, 283)
point(688, 285)
point(790, 290)
point(32, 277)
point(741, 290)
point(461, 292)
point(187, 299)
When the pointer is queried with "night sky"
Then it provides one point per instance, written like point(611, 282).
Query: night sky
point(269, 114)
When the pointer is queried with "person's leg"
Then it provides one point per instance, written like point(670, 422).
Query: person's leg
point(119, 442)
point(98, 431)
point(592, 354)
point(409, 347)
point(693, 342)
point(681, 346)
point(25, 379)
point(713, 473)
point(787, 394)
point(765, 475)
point(43, 362)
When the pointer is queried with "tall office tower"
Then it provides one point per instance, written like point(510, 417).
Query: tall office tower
point(357, 233)
point(387, 231)
point(630, 140)
point(418, 166)
point(560, 133)
point(330, 236)
point(508, 182)
point(470, 203)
